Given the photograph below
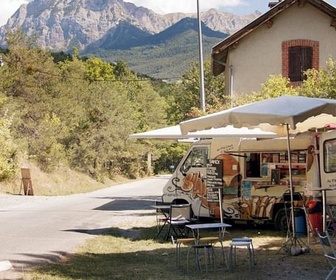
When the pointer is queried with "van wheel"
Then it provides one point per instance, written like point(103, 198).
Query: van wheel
point(281, 220)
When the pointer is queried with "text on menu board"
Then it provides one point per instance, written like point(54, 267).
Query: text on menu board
point(214, 179)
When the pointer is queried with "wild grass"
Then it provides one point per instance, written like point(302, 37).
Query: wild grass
point(63, 181)
point(120, 254)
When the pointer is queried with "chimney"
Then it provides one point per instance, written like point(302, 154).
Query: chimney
point(272, 4)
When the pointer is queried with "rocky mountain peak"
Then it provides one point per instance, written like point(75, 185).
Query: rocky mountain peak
point(63, 24)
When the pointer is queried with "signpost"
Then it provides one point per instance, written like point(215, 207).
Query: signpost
point(214, 182)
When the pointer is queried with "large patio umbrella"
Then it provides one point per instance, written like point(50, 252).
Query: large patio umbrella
point(286, 113)
point(298, 112)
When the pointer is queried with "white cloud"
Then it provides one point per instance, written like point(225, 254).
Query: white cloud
point(8, 8)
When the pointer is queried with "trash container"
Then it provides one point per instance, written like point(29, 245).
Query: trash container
point(314, 209)
point(300, 222)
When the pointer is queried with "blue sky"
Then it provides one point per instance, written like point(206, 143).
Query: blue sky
point(241, 7)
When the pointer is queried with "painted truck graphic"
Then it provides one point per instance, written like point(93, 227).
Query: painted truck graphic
point(255, 176)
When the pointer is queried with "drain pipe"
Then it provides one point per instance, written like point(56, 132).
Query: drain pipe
point(231, 79)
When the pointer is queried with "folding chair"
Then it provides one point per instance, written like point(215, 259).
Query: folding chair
point(328, 250)
point(331, 219)
point(162, 216)
point(179, 216)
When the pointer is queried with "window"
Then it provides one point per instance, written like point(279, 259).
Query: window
point(298, 56)
point(329, 151)
point(198, 157)
point(253, 165)
point(300, 60)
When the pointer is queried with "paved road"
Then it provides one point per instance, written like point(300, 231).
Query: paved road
point(42, 229)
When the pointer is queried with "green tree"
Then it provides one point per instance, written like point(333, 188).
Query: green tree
point(109, 107)
point(9, 156)
point(184, 101)
point(275, 86)
point(46, 147)
point(98, 70)
point(322, 82)
point(29, 78)
point(30, 69)
point(78, 111)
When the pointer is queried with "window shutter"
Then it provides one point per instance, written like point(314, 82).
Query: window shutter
point(294, 64)
point(300, 59)
point(307, 60)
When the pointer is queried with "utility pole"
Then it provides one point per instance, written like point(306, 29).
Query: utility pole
point(202, 93)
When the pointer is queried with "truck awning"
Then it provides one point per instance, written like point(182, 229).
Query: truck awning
point(174, 133)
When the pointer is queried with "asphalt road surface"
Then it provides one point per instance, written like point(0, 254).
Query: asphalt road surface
point(37, 229)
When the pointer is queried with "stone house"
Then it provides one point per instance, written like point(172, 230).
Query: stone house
point(293, 36)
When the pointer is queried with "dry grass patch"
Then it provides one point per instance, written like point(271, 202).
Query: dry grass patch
point(63, 181)
point(114, 256)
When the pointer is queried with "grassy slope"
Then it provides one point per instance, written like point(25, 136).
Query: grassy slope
point(64, 181)
point(167, 61)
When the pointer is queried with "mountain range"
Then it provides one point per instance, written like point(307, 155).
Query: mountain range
point(115, 30)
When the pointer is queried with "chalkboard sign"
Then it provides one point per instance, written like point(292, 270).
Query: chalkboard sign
point(214, 179)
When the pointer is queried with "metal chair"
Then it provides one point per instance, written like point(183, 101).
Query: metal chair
point(179, 217)
point(328, 250)
point(331, 219)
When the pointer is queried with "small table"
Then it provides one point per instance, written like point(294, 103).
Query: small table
point(198, 240)
point(196, 228)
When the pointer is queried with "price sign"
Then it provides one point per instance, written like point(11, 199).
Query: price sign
point(214, 179)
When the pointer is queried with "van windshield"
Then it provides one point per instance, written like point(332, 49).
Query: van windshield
point(198, 157)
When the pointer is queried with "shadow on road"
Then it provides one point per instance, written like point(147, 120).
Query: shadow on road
point(128, 203)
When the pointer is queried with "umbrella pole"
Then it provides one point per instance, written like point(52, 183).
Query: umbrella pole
point(296, 244)
point(291, 185)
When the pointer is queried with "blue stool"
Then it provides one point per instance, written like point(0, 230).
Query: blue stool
point(241, 242)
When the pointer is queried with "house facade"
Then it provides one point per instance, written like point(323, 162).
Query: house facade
point(293, 36)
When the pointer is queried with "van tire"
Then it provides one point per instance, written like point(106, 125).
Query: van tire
point(281, 220)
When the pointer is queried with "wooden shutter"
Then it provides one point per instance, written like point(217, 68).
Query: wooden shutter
point(300, 59)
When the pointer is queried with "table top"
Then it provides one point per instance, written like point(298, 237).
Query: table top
point(208, 226)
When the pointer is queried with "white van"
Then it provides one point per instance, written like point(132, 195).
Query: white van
point(254, 176)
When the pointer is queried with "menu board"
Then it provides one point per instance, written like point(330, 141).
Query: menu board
point(214, 179)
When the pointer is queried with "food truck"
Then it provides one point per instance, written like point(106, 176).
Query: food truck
point(249, 177)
